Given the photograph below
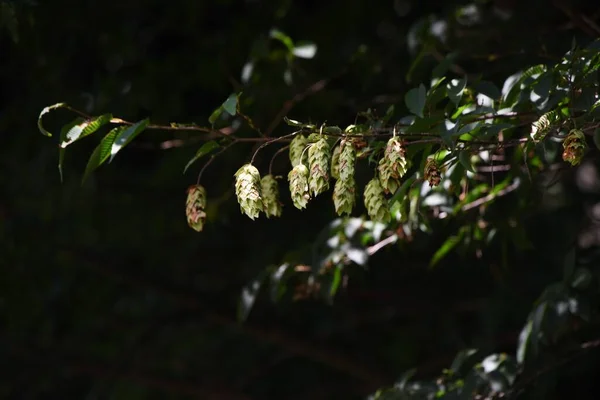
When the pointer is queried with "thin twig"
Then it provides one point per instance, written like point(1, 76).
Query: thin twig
point(288, 105)
point(272, 141)
point(210, 160)
point(486, 199)
point(275, 155)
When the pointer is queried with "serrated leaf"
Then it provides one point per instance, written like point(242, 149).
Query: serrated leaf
point(101, 152)
point(126, 136)
point(455, 88)
point(45, 111)
point(84, 129)
point(415, 100)
point(202, 151)
point(306, 50)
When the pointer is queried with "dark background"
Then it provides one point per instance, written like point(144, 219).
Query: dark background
point(105, 292)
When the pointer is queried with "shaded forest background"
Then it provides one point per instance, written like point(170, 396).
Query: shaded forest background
point(105, 291)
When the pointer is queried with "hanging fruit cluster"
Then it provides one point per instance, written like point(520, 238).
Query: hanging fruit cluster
point(314, 164)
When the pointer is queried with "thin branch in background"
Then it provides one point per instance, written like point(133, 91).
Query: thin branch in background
point(272, 141)
point(288, 105)
point(274, 156)
point(210, 160)
point(486, 199)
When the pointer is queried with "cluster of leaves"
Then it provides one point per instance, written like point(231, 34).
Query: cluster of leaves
point(562, 310)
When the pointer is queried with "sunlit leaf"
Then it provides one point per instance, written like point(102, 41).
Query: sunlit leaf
point(61, 150)
point(84, 129)
point(202, 151)
point(45, 111)
point(101, 152)
point(306, 50)
point(125, 136)
point(455, 88)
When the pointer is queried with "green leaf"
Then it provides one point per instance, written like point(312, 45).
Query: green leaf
point(283, 38)
point(464, 157)
point(126, 136)
point(455, 88)
point(305, 50)
point(84, 129)
point(415, 100)
point(401, 192)
point(215, 115)
point(61, 151)
point(488, 89)
point(292, 122)
point(205, 149)
point(45, 111)
point(230, 105)
point(446, 247)
point(101, 152)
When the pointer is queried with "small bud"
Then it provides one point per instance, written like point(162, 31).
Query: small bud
point(375, 202)
point(318, 159)
point(298, 180)
point(574, 146)
point(297, 153)
point(248, 190)
point(270, 196)
point(392, 166)
point(195, 206)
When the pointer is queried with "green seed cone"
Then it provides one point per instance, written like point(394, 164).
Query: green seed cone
point(375, 202)
point(270, 196)
point(335, 162)
point(195, 206)
point(432, 172)
point(574, 146)
point(392, 166)
point(248, 191)
point(344, 196)
point(298, 180)
point(297, 153)
point(318, 159)
point(347, 160)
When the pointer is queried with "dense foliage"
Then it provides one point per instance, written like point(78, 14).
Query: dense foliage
point(479, 159)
